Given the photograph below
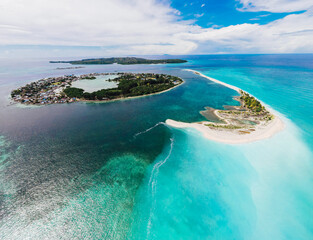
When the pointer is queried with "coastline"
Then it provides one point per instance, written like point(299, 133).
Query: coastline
point(129, 98)
point(237, 89)
point(261, 132)
point(98, 101)
point(230, 136)
point(52, 93)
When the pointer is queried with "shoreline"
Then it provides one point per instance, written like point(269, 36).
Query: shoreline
point(260, 131)
point(20, 105)
point(51, 89)
point(129, 98)
point(228, 137)
point(237, 89)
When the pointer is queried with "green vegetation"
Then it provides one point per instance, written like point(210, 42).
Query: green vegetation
point(223, 126)
point(74, 92)
point(128, 85)
point(244, 119)
point(122, 60)
point(90, 77)
point(251, 103)
point(269, 117)
point(58, 89)
point(16, 92)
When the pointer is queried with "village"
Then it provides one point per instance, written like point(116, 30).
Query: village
point(50, 90)
point(54, 90)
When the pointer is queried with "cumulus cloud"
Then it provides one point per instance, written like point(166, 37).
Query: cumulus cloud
point(198, 15)
point(131, 23)
point(275, 5)
point(120, 27)
point(293, 33)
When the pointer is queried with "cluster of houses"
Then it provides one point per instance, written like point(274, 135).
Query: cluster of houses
point(49, 90)
point(148, 76)
point(44, 91)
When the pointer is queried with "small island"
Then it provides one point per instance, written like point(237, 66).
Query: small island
point(243, 118)
point(65, 68)
point(122, 61)
point(59, 89)
point(250, 121)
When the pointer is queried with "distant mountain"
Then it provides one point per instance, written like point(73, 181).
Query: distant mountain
point(122, 60)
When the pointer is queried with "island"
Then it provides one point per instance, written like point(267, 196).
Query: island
point(249, 122)
point(122, 61)
point(59, 89)
point(65, 68)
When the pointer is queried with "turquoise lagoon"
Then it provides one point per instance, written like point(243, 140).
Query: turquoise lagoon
point(116, 171)
point(91, 85)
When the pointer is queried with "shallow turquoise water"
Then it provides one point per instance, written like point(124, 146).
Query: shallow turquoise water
point(207, 190)
point(261, 190)
point(114, 171)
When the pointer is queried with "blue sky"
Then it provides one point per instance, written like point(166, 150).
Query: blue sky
point(134, 27)
point(222, 13)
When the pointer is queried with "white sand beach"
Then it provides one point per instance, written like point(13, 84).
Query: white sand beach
point(215, 80)
point(231, 137)
point(261, 131)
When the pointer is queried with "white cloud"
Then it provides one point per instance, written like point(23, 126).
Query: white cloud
point(264, 15)
point(132, 23)
point(123, 27)
point(294, 33)
point(198, 15)
point(275, 5)
point(202, 5)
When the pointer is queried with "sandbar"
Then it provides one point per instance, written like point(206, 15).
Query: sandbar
point(221, 133)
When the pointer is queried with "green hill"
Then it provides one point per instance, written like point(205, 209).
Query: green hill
point(122, 60)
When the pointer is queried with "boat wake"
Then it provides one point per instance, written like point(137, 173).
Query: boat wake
point(153, 184)
point(148, 130)
point(156, 167)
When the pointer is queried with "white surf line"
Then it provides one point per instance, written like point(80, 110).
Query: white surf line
point(215, 80)
point(156, 167)
point(149, 129)
point(234, 88)
point(153, 184)
point(262, 132)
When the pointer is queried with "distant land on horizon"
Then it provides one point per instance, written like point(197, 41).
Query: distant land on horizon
point(122, 61)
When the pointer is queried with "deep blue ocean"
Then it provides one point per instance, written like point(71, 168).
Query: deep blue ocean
point(116, 171)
